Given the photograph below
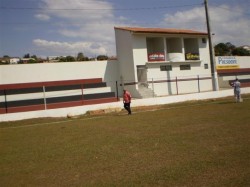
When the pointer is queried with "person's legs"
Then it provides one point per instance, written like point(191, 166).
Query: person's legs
point(127, 107)
point(237, 96)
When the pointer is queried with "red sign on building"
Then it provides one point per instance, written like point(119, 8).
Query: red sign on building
point(156, 57)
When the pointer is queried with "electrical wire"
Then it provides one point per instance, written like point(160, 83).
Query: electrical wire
point(88, 9)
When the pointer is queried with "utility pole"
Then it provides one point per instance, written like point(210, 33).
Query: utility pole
point(211, 50)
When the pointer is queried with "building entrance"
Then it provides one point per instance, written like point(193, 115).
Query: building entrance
point(142, 75)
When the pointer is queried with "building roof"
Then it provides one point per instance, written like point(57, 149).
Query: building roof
point(161, 30)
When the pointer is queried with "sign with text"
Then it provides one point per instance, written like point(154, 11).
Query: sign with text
point(192, 56)
point(156, 57)
point(227, 62)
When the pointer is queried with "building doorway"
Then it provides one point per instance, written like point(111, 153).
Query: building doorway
point(142, 75)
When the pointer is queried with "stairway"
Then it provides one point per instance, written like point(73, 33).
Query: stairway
point(144, 91)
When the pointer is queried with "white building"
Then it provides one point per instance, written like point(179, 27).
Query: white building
point(155, 61)
point(14, 60)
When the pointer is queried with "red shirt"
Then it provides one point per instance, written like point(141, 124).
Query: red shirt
point(126, 97)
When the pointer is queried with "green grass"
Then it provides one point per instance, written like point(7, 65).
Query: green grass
point(203, 143)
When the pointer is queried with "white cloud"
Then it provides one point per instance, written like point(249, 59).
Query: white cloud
point(228, 23)
point(42, 17)
point(66, 48)
point(89, 21)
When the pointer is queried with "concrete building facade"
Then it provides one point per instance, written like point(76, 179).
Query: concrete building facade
point(158, 62)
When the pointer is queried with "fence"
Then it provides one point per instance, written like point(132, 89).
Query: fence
point(61, 94)
point(162, 86)
point(55, 94)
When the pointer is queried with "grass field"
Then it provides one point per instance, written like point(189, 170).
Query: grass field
point(205, 143)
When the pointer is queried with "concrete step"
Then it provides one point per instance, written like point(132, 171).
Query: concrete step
point(145, 92)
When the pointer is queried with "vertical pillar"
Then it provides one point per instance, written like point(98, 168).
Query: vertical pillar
point(198, 78)
point(116, 86)
point(5, 101)
point(44, 98)
point(211, 51)
point(176, 81)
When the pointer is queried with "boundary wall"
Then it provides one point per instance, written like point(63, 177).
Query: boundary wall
point(46, 72)
point(80, 110)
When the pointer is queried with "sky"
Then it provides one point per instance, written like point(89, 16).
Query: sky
point(67, 27)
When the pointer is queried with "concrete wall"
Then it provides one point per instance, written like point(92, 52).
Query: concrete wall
point(240, 64)
point(242, 61)
point(125, 54)
point(132, 52)
point(27, 73)
point(63, 112)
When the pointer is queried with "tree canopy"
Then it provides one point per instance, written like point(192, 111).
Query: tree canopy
point(228, 49)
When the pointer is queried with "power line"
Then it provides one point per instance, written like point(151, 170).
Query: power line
point(231, 10)
point(88, 9)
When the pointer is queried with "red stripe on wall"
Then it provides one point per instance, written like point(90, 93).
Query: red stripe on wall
point(229, 71)
point(64, 104)
point(2, 111)
point(99, 101)
point(25, 108)
point(57, 105)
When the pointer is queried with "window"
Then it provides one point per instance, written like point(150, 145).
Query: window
point(191, 46)
point(174, 45)
point(204, 40)
point(185, 67)
point(166, 68)
point(155, 49)
point(205, 66)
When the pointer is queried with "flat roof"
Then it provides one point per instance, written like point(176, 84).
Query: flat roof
point(161, 30)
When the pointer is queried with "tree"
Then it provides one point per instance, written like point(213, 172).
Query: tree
point(240, 51)
point(70, 59)
point(228, 49)
point(26, 55)
point(81, 57)
point(223, 49)
point(102, 57)
point(34, 56)
point(31, 61)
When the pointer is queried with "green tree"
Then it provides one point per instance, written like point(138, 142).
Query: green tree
point(240, 51)
point(26, 55)
point(221, 49)
point(70, 59)
point(32, 61)
point(81, 57)
point(34, 56)
point(102, 57)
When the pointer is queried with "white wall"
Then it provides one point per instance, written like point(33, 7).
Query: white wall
point(63, 112)
point(242, 61)
point(124, 53)
point(26, 73)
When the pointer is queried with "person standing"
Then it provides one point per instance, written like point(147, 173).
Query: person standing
point(127, 101)
point(236, 86)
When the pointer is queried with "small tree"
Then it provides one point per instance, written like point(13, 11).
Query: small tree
point(102, 57)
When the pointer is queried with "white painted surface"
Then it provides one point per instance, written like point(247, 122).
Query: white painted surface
point(63, 112)
point(242, 61)
point(26, 73)
point(176, 57)
point(132, 52)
